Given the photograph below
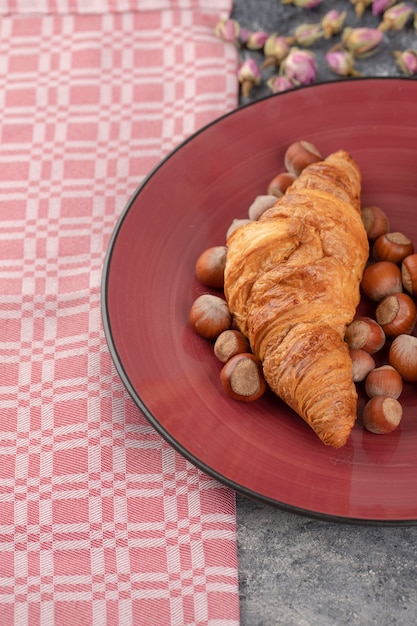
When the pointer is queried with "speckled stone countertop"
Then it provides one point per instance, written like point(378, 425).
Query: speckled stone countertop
point(273, 17)
point(300, 571)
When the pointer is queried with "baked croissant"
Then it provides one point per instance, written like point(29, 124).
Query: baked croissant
point(292, 284)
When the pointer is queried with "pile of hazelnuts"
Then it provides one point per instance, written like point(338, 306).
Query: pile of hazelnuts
point(389, 281)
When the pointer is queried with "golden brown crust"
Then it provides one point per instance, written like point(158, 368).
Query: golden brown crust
point(292, 284)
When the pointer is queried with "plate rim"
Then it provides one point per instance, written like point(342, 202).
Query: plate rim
point(117, 362)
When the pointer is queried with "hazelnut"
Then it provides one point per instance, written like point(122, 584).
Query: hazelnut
point(392, 247)
point(210, 265)
point(384, 381)
point(380, 280)
point(229, 343)
point(364, 333)
point(260, 205)
point(362, 364)
point(409, 273)
point(403, 357)
point(237, 223)
point(210, 315)
point(375, 221)
point(382, 414)
point(280, 183)
point(299, 155)
point(242, 377)
point(397, 315)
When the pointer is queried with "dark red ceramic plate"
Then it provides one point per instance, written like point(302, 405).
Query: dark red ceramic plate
point(262, 449)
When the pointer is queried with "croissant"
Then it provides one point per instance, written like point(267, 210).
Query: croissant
point(292, 283)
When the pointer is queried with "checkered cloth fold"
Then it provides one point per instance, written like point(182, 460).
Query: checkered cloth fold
point(101, 522)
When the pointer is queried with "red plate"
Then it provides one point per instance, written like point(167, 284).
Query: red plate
point(262, 449)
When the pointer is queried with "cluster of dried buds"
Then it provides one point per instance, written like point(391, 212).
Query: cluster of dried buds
point(295, 65)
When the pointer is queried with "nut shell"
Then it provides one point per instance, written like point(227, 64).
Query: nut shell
point(280, 183)
point(403, 357)
point(242, 378)
point(384, 381)
point(260, 205)
point(375, 221)
point(362, 364)
point(397, 315)
point(210, 315)
point(364, 333)
point(381, 279)
point(209, 267)
point(229, 343)
point(392, 247)
point(409, 274)
point(299, 155)
point(237, 223)
point(382, 414)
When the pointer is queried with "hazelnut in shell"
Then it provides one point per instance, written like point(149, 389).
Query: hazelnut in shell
point(209, 267)
point(280, 183)
point(364, 333)
point(229, 343)
point(362, 364)
point(210, 315)
point(242, 377)
point(382, 414)
point(299, 155)
point(403, 357)
point(384, 381)
point(237, 223)
point(381, 279)
point(409, 273)
point(392, 247)
point(375, 221)
point(260, 205)
point(397, 315)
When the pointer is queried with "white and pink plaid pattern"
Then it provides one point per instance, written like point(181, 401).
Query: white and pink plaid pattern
point(111, 6)
point(101, 522)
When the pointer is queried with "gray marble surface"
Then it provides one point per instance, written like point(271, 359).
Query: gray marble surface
point(296, 570)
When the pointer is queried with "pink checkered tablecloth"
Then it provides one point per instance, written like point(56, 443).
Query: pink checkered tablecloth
point(101, 522)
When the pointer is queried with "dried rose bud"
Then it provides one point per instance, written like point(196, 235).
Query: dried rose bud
point(227, 30)
point(300, 67)
point(276, 48)
point(248, 75)
point(406, 61)
point(341, 62)
point(256, 40)
point(361, 41)
point(332, 23)
point(396, 17)
point(379, 6)
point(304, 4)
point(307, 34)
point(277, 84)
point(360, 6)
